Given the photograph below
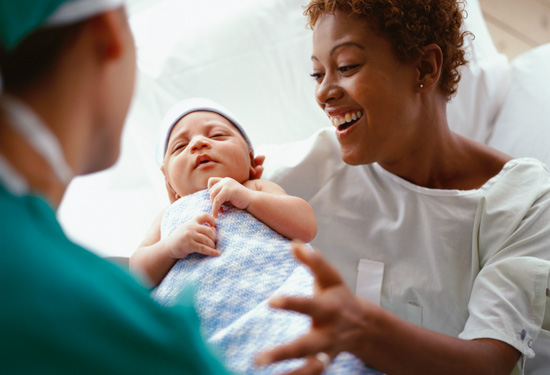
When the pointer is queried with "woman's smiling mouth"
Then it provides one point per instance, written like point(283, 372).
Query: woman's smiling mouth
point(345, 121)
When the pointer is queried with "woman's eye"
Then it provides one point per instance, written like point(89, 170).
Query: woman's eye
point(316, 76)
point(347, 68)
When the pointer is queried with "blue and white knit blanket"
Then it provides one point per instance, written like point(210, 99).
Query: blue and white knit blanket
point(232, 290)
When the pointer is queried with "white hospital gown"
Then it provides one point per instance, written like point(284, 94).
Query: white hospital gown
point(232, 290)
point(470, 264)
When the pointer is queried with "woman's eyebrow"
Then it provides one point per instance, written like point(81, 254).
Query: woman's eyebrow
point(341, 45)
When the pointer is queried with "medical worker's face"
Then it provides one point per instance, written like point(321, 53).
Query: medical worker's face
point(116, 91)
point(363, 88)
point(203, 145)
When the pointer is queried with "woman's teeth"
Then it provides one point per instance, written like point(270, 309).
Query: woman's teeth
point(347, 118)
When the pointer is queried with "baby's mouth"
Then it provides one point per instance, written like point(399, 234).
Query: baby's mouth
point(345, 121)
point(202, 159)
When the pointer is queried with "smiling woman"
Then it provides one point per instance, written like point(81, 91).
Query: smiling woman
point(435, 256)
point(358, 69)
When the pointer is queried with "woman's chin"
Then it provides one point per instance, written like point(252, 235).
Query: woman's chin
point(352, 157)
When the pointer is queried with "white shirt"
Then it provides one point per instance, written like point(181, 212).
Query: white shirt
point(472, 264)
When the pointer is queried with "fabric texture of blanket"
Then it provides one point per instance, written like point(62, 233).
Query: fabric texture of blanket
point(232, 290)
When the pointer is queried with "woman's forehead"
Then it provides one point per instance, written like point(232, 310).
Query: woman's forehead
point(341, 26)
point(344, 31)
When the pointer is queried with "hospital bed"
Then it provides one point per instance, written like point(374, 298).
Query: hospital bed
point(253, 56)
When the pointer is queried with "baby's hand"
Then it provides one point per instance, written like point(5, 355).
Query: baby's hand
point(194, 237)
point(227, 190)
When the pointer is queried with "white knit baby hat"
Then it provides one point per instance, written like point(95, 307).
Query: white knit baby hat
point(185, 107)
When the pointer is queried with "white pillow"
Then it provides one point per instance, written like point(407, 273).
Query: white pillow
point(253, 57)
point(484, 82)
point(523, 125)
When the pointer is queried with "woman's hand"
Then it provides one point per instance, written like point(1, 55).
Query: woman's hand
point(227, 190)
point(195, 236)
point(339, 318)
point(343, 322)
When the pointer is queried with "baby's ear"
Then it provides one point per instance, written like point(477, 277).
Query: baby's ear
point(172, 195)
point(256, 166)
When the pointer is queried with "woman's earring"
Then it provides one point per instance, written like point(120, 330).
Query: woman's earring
point(421, 85)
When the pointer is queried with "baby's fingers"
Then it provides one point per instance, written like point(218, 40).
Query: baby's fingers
point(217, 201)
point(213, 181)
point(206, 219)
point(205, 241)
point(207, 250)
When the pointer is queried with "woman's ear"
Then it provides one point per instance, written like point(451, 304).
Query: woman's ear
point(429, 66)
point(172, 195)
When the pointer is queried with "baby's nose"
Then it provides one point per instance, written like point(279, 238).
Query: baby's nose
point(199, 143)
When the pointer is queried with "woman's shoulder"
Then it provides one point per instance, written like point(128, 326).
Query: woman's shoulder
point(516, 206)
point(519, 185)
point(528, 174)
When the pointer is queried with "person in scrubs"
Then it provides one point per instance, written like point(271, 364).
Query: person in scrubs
point(453, 263)
point(68, 71)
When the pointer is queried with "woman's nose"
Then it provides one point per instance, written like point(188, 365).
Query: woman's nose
point(328, 90)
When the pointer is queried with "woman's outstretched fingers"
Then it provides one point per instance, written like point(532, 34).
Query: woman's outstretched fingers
point(304, 305)
point(312, 367)
point(307, 345)
point(325, 275)
point(335, 312)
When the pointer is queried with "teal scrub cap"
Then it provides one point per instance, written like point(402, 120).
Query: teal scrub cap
point(18, 18)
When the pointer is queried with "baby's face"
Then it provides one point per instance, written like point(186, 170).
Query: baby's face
point(202, 145)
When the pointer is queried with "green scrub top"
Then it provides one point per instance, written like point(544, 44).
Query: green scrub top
point(64, 310)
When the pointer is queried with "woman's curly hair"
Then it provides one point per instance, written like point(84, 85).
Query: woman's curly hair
point(410, 25)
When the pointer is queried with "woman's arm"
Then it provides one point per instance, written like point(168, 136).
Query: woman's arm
point(155, 257)
point(344, 322)
point(290, 216)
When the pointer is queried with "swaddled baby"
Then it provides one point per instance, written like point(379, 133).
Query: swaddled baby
point(227, 234)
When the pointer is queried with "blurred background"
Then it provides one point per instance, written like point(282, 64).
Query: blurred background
point(517, 25)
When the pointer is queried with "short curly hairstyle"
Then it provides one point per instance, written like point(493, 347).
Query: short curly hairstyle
point(410, 25)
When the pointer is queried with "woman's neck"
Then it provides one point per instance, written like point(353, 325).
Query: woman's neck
point(441, 159)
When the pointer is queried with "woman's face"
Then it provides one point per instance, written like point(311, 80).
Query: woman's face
point(202, 145)
point(367, 93)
